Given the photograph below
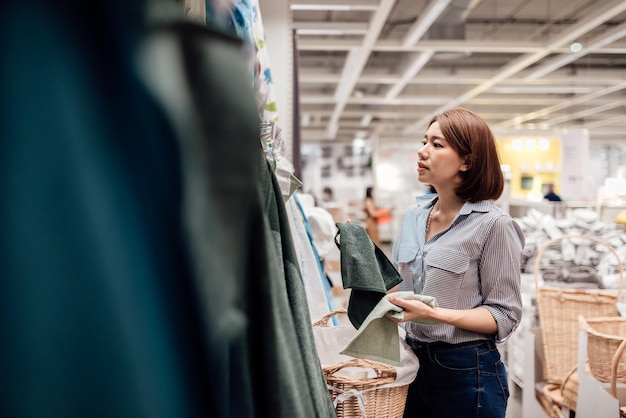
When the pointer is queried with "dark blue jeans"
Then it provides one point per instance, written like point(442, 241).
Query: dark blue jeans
point(458, 381)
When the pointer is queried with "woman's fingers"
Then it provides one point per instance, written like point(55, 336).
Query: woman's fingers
point(397, 301)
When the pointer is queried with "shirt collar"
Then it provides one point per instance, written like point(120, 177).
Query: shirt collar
point(428, 200)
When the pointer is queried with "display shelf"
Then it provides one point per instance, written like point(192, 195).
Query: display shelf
point(519, 207)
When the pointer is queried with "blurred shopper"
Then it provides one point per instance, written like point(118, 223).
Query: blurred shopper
point(375, 216)
point(550, 195)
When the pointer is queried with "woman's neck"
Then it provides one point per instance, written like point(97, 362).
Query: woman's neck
point(449, 205)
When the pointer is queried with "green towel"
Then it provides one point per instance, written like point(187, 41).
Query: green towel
point(378, 337)
point(365, 269)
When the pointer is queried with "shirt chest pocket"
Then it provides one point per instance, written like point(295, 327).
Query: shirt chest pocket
point(448, 261)
point(407, 254)
point(445, 271)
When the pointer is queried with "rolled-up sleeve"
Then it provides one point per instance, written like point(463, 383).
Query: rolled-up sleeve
point(500, 274)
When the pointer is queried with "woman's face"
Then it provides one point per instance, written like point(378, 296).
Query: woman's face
point(439, 164)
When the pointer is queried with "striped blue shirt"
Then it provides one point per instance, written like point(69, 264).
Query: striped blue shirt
point(474, 262)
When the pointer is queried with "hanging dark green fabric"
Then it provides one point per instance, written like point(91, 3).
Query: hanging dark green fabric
point(98, 312)
point(285, 322)
point(136, 250)
point(257, 304)
point(365, 269)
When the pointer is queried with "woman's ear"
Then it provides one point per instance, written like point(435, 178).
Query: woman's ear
point(466, 164)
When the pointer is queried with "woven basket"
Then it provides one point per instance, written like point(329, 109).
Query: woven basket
point(558, 311)
point(549, 397)
point(323, 321)
point(606, 346)
point(556, 396)
point(363, 396)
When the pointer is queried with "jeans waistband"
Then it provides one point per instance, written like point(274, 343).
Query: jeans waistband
point(440, 345)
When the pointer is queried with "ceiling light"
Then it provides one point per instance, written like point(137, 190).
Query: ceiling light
point(321, 31)
point(358, 142)
point(575, 47)
point(341, 5)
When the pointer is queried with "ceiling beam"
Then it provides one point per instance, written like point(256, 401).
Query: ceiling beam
point(584, 113)
point(564, 104)
point(355, 62)
point(595, 44)
point(598, 16)
point(330, 28)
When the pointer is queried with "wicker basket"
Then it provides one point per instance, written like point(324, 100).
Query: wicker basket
point(606, 346)
point(363, 396)
point(564, 395)
point(323, 321)
point(549, 397)
point(558, 311)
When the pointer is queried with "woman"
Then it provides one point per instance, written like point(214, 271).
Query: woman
point(459, 247)
point(373, 214)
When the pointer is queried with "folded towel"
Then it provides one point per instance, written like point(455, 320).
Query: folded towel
point(365, 269)
point(378, 337)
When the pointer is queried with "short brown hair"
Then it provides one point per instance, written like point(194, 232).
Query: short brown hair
point(472, 138)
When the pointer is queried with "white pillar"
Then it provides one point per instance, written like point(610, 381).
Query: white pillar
point(277, 23)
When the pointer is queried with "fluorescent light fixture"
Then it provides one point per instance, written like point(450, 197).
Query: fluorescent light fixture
point(530, 145)
point(321, 31)
point(358, 142)
point(544, 144)
point(331, 28)
point(340, 7)
point(389, 176)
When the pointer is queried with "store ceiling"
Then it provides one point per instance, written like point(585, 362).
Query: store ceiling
point(382, 68)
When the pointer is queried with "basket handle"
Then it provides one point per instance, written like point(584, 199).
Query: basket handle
point(384, 373)
point(569, 375)
point(323, 321)
point(614, 365)
point(547, 244)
